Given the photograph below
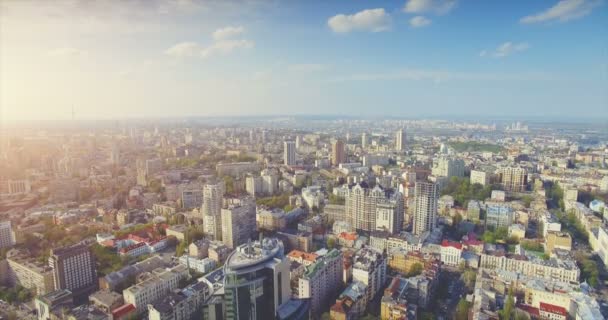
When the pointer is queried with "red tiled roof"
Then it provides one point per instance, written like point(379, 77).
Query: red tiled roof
point(553, 309)
point(348, 236)
point(123, 310)
point(448, 243)
point(529, 309)
point(131, 247)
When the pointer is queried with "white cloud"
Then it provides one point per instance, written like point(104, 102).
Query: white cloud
point(223, 44)
point(374, 20)
point(228, 33)
point(66, 52)
point(225, 47)
point(184, 49)
point(505, 49)
point(419, 21)
point(433, 6)
point(563, 11)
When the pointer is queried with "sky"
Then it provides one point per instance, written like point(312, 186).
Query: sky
point(407, 58)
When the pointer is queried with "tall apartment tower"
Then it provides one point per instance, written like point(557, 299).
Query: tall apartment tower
point(289, 153)
point(425, 207)
point(213, 194)
point(74, 269)
point(364, 140)
point(363, 206)
point(400, 140)
point(238, 222)
point(448, 167)
point(513, 178)
point(7, 237)
point(338, 154)
point(321, 282)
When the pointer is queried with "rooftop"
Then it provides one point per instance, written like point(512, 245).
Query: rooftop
point(256, 252)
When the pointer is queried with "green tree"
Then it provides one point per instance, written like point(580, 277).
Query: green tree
point(331, 243)
point(462, 310)
point(508, 309)
point(181, 248)
point(415, 269)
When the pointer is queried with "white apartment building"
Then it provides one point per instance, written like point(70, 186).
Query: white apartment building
point(451, 253)
point(321, 281)
point(155, 287)
point(481, 177)
point(369, 267)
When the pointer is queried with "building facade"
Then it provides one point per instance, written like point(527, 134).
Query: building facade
point(425, 207)
point(74, 269)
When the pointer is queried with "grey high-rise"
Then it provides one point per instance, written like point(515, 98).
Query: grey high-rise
point(425, 207)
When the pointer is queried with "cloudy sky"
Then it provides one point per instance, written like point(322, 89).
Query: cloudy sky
point(156, 58)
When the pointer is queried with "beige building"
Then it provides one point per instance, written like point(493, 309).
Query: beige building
point(481, 177)
point(554, 268)
point(156, 285)
point(270, 219)
point(338, 154)
point(28, 273)
point(558, 240)
point(513, 178)
point(179, 231)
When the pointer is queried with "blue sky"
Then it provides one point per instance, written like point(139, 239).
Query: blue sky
point(416, 58)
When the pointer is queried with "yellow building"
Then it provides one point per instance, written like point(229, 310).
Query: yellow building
point(558, 240)
point(402, 261)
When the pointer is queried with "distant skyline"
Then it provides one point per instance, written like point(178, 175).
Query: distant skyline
point(415, 58)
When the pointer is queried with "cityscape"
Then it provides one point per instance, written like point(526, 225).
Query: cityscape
point(193, 187)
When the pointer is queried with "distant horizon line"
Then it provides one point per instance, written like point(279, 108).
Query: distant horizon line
point(326, 117)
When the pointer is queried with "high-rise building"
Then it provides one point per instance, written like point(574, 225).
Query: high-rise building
point(289, 153)
point(270, 181)
point(19, 186)
point(499, 215)
point(513, 178)
point(400, 140)
point(238, 222)
point(298, 142)
point(425, 207)
point(364, 140)
point(448, 167)
point(26, 271)
point(7, 237)
point(369, 267)
point(361, 203)
point(321, 282)
point(390, 214)
point(253, 185)
point(256, 280)
point(338, 154)
point(74, 269)
point(481, 177)
point(213, 194)
point(192, 198)
point(115, 154)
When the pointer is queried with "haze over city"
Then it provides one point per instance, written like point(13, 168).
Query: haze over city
point(303, 160)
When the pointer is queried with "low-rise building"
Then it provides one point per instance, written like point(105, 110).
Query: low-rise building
point(156, 285)
point(451, 253)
